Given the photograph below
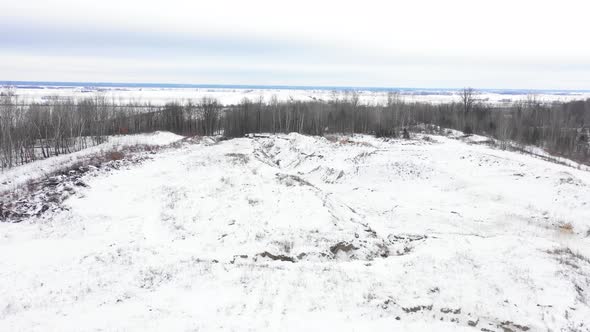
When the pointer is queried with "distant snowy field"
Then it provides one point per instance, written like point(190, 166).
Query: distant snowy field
point(160, 96)
point(297, 233)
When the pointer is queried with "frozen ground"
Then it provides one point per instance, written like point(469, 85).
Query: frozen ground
point(11, 179)
point(303, 233)
point(160, 96)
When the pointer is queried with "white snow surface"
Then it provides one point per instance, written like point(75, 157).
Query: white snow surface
point(227, 96)
point(13, 177)
point(436, 234)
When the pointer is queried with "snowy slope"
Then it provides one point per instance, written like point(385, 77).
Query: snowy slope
point(14, 177)
point(303, 233)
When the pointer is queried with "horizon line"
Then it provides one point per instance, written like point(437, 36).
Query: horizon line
point(260, 86)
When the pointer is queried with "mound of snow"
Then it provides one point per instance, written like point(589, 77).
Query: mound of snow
point(156, 138)
point(291, 232)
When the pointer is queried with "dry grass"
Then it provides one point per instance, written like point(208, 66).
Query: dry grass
point(114, 155)
point(83, 162)
point(336, 138)
point(566, 228)
point(344, 140)
point(569, 257)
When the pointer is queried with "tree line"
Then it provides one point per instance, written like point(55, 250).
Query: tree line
point(560, 128)
point(30, 131)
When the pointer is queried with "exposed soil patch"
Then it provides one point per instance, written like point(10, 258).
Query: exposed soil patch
point(292, 180)
point(509, 326)
point(277, 257)
point(417, 308)
point(342, 246)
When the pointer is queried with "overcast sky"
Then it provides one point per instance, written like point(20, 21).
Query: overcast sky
point(424, 43)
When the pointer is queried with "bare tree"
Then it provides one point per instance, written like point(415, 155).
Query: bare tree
point(57, 125)
point(467, 96)
point(354, 104)
point(210, 108)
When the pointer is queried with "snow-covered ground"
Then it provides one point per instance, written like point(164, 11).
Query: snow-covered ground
point(304, 233)
point(12, 178)
point(160, 96)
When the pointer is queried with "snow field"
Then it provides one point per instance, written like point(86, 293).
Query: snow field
point(292, 232)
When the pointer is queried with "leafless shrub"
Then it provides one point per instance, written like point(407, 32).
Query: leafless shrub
point(114, 155)
point(567, 255)
point(285, 246)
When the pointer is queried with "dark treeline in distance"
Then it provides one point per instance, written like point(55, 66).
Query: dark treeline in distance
point(30, 131)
